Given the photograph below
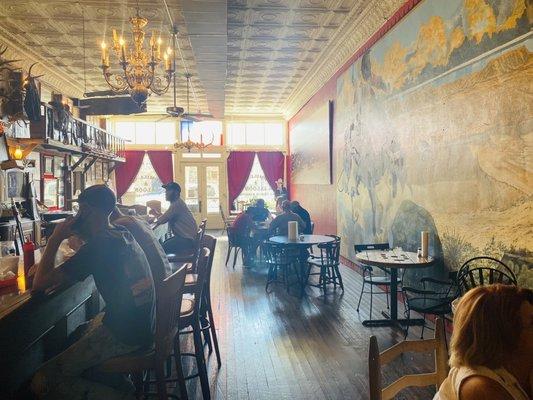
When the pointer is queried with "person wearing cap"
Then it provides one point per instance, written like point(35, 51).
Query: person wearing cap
point(122, 276)
point(180, 220)
point(304, 215)
point(259, 212)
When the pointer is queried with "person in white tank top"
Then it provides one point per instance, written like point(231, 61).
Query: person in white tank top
point(491, 351)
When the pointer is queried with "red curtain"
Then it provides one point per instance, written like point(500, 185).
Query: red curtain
point(272, 163)
point(162, 162)
point(239, 168)
point(126, 172)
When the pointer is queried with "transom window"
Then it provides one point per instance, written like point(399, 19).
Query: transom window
point(146, 132)
point(206, 130)
point(255, 134)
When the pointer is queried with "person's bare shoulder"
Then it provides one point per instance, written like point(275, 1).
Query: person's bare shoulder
point(482, 388)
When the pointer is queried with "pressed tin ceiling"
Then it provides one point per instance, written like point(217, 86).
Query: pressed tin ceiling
point(247, 57)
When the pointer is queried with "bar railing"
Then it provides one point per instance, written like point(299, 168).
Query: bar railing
point(71, 131)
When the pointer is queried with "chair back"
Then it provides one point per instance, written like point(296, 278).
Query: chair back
point(330, 252)
point(168, 303)
point(209, 242)
point(479, 271)
point(202, 269)
point(373, 246)
point(222, 214)
point(376, 360)
point(277, 254)
point(232, 236)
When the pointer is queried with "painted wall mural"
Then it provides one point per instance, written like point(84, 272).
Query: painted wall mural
point(436, 127)
point(310, 143)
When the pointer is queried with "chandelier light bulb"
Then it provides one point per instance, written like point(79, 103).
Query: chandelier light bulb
point(17, 154)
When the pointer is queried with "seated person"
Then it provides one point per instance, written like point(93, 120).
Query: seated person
point(280, 224)
point(181, 222)
point(122, 276)
point(491, 351)
point(242, 227)
point(145, 237)
point(259, 212)
point(304, 215)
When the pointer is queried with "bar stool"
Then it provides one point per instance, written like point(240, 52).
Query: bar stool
point(190, 322)
point(193, 256)
point(138, 362)
point(208, 321)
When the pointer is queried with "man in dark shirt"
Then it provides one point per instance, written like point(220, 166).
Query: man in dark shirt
point(122, 276)
point(259, 212)
point(279, 226)
point(304, 215)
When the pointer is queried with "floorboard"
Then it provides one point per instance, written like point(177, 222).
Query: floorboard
point(277, 346)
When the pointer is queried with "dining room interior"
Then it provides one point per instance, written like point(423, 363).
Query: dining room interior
point(287, 199)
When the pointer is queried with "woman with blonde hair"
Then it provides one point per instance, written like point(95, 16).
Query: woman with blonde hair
point(491, 352)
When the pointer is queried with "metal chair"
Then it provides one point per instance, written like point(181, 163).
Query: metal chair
point(279, 260)
point(233, 244)
point(483, 270)
point(437, 301)
point(377, 359)
point(327, 261)
point(369, 278)
point(168, 302)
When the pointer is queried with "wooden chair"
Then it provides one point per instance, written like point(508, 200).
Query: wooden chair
point(208, 321)
point(166, 330)
point(190, 322)
point(479, 271)
point(376, 360)
point(193, 256)
point(227, 220)
point(370, 278)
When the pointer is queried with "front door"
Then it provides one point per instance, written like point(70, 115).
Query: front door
point(202, 189)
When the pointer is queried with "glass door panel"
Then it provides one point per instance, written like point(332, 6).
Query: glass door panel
point(212, 180)
point(192, 188)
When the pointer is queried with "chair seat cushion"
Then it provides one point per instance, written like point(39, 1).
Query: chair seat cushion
point(191, 279)
point(187, 307)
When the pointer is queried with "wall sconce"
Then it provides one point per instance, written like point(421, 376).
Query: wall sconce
point(17, 153)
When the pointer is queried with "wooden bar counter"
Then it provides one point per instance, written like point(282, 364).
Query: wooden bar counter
point(34, 326)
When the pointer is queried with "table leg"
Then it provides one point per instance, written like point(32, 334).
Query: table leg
point(392, 319)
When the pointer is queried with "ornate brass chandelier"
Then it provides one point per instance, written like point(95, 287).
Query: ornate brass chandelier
point(190, 144)
point(138, 75)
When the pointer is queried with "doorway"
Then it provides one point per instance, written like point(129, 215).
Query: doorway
point(203, 190)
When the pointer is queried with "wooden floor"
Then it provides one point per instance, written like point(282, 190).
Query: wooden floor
point(277, 346)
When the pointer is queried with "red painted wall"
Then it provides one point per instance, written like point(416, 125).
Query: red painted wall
point(321, 200)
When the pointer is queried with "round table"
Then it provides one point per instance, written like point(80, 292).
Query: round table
point(308, 240)
point(393, 260)
point(303, 242)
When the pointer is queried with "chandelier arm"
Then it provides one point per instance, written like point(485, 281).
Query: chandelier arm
point(160, 90)
point(123, 85)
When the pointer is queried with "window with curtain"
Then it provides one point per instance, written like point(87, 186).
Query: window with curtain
point(146, 132)
point(255, 134)
point(207, 129)
point(256, 187)
point(145, 187)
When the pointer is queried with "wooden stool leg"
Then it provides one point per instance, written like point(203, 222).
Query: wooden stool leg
point(179, 370)
point(200, 361)
point(160, 381)
point(213, 332)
